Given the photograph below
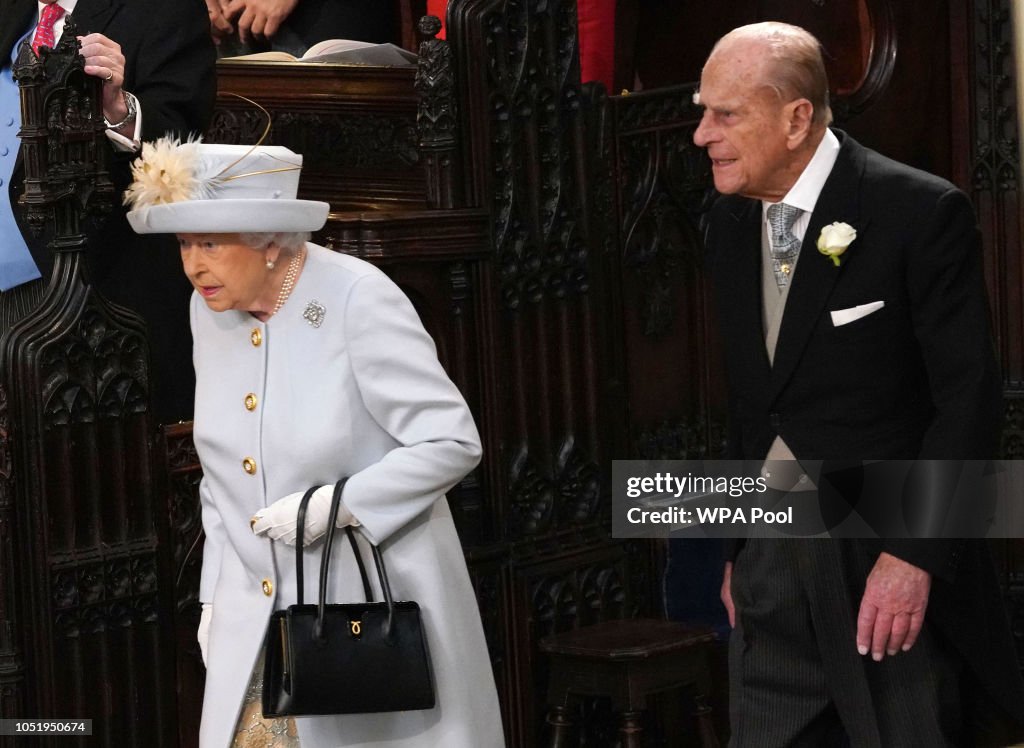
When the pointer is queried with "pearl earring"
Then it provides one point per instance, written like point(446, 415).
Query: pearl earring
point(270, 264)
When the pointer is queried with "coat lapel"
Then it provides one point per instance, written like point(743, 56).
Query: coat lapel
point(816, 275)
point(741, 275)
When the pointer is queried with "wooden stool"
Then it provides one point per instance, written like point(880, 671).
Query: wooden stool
point(628, 661)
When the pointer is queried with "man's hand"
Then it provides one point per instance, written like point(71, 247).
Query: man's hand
point(103, 59)
point(220, 26)
point(259, 18)
point(726, 594)
point(892, 610)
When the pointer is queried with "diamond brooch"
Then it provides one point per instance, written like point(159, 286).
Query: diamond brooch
point(314, 313)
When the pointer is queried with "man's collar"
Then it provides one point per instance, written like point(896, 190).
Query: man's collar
point(804, 194)
point(67, 5)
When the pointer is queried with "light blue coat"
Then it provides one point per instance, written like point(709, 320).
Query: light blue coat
point(361, 395)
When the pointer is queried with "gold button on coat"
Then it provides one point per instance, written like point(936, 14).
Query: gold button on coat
point(250, 401)
point(249, 465)
point(256, 336)
point(268, 587)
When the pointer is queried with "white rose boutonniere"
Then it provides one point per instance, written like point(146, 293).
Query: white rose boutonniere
point(834, 240)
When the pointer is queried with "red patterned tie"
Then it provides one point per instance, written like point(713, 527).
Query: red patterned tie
point(44, 31)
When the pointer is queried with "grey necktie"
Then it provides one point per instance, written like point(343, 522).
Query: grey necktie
point(784, 246)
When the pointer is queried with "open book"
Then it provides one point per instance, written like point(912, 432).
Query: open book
point(339, 51)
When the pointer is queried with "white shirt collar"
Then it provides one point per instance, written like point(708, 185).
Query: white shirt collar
point(804, 194)
point(58, 27)
point(67, 5)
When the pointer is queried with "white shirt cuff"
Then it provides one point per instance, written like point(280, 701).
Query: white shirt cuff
point(129, 145)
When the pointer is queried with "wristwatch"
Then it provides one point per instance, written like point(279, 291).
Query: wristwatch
point(129, 101)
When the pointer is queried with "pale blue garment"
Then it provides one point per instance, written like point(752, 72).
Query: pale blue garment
point(16, 264)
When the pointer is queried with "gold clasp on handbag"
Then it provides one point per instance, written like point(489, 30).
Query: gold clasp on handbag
point(356, 627)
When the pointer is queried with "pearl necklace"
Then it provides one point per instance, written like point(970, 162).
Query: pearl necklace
point(289, 280)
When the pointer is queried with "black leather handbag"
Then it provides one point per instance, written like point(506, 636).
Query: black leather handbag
point(345, 658)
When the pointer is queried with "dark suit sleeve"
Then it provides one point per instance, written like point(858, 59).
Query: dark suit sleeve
point(734, 434)
point(170, 66)
point(951, 322)
point(946, 285)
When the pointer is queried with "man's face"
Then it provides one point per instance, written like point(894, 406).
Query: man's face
point(745, 125)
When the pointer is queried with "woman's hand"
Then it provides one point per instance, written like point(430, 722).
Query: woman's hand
point(279, 521)
point(203, 634)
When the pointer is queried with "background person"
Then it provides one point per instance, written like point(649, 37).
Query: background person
point(293, 26)
point(312, 366)
point(869, 643)
point(157, 55)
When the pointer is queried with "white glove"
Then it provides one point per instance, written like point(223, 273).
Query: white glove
point(203, 634)
point(279, 520)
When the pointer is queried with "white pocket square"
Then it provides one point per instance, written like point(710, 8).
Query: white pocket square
point(846, 316)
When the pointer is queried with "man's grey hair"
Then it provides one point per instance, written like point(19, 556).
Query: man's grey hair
point(796, 67)
point(289, 241)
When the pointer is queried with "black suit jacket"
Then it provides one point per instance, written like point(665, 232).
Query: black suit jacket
point(169, 66)
point(917, 378)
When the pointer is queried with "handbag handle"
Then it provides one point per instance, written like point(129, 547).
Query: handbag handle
point(300, 522)
point(385, 586)
point(300, 525)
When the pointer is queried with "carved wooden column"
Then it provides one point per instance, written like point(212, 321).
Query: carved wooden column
point(84, 618)
point(437, 117)
point(535, 145)
point(987, 167)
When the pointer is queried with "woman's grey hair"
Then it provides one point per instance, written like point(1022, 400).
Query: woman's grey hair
point(796, 68)
point(289, 241)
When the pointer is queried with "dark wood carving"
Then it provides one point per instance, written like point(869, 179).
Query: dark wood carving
point(62, 137)
point(989, 170)
point(537, 151)
point(185, 536)
point(673, 385)
point(437, 117)
point(84, 609)
point(358, 120)
point(991, 176)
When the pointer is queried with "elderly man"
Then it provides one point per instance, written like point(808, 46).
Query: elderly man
point(156, 62)
point(878, 350)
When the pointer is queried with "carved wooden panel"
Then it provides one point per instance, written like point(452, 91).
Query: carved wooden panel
point(674, 386)
point(536, 151)
point(182, 474)
point(990, 171)
point(1011, 552)
point(359, 121)
point(529, 163)
point(986, 166)
point(87, 623)
point(596, 582)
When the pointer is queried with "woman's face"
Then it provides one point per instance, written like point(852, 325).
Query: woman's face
point(227, 273)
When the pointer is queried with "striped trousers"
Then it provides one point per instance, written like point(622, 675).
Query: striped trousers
point(796, 678)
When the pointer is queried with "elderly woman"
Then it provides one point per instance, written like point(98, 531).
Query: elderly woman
point(312, 366)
